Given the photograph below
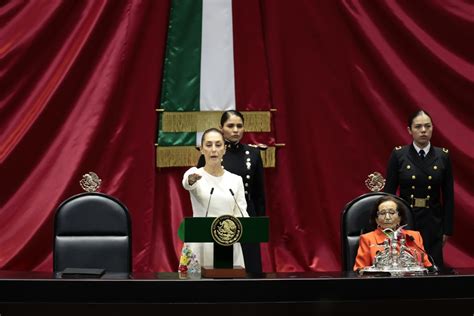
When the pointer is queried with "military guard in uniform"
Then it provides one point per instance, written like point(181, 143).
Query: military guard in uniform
point(245, 161)
point(423, 174)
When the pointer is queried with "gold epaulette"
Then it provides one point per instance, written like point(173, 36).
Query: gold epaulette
point(398, 147)
point(445, 150)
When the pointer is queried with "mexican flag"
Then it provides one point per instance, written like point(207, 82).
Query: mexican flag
point(215, 61)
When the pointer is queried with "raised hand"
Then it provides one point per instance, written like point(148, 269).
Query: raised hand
point(192, 178)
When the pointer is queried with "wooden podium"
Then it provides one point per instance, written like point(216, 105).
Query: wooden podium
point(199, 229)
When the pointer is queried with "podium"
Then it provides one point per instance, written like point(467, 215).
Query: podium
point(200, 229)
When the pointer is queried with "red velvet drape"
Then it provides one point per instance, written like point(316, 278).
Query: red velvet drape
point(79, 86)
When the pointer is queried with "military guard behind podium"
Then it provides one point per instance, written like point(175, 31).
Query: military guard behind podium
point(423, 174)
point(245, 161)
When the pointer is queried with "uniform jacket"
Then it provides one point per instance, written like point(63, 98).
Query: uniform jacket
point(372, 242)
point(429, 178)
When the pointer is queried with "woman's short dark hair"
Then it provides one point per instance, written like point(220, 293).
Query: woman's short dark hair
point(227, 114)
point(401, 209)
point(417, 113)
point(207, 131)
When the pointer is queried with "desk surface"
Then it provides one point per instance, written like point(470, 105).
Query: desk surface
point(31, 287)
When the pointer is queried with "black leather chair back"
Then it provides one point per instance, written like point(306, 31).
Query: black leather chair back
point(92, 230)
point(355, 221)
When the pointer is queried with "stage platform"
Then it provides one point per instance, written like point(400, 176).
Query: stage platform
point(26, 293)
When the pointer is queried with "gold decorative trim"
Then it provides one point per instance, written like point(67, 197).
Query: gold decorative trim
point(226, 230)
point(268, 157)
point(187, 156)
point(176, 156)
point(255, 121)
point(90, 182)
point(375, 181)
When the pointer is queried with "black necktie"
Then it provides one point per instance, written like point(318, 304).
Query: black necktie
point(422, 154)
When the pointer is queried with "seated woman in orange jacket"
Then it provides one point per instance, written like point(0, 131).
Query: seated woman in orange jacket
point(387, 213)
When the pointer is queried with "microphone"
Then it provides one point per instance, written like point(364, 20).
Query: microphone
point(412, 239)
point(232, 192)
point(209, 202)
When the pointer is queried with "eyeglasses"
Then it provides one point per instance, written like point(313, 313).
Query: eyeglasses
point(390, 212)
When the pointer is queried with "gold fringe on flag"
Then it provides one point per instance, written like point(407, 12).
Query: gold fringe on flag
point(268, 157)
point(187, 156)
point(255, 121)
point(176, 156)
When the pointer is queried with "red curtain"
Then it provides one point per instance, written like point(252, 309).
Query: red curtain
point(79, 86)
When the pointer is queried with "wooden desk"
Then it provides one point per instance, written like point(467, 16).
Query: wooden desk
point(275, 293)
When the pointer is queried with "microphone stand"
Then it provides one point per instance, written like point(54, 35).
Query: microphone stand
point(235, 200)
point(209, 202)
point(412, 239)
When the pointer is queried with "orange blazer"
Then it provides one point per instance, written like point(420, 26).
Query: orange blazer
point(372, 242)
